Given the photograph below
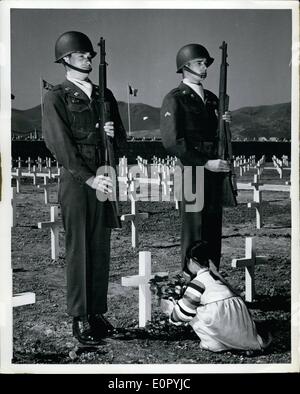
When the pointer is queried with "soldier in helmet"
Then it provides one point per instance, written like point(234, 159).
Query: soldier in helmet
point(71, 132)
point(189, 131)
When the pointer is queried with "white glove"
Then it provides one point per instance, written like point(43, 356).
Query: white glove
point(109, 129)
point(101, 183)
point(217, 165)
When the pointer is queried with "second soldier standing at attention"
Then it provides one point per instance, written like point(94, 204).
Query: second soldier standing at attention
point(71, 132)
point(188, 128)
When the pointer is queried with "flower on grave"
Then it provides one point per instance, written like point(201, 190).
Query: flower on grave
point(164, 288)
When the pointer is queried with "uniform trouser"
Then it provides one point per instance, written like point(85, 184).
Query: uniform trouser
point(206, 224)
point(87, 243)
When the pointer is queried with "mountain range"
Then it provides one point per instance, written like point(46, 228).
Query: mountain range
point(247, 122)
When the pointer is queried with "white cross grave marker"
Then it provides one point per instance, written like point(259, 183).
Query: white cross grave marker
point(54, 225)
point(39, 163)
point(134, 218)
point(46, 186)
point(34, 172)
point(249, 262)
point(19, 162)
point(142, 281)
point(17, 175)
point(21, 299)
point(278, 164)
point(29, 162)
point(256, 201)
point(56, 175)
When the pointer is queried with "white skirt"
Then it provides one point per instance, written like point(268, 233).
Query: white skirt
point(226, 324)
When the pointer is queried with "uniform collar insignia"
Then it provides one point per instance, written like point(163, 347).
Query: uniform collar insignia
point(74, 91)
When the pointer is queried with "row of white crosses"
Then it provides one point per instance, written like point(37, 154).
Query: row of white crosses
point(55, 223)
point(280, 164)
point(35, 171)
point(161, 174)
point(143, 165)
point(165, 169)
point(260, 166)
point(250, 261)
point(257, 187)
point(39, 163)
point(243, 163)
point(134, 217)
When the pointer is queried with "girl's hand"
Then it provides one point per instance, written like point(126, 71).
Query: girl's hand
point(167, 306)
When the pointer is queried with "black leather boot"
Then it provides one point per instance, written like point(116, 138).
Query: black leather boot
point(101, 326)
point(84, 333)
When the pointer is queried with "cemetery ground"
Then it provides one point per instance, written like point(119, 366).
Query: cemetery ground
point(43, 333)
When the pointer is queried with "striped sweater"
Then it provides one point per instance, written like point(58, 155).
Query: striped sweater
point(185, 308)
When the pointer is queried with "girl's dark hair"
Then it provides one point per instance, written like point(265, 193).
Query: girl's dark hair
point(199, 252)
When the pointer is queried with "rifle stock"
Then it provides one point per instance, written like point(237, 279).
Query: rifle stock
point(229, 186)
point(112, 208)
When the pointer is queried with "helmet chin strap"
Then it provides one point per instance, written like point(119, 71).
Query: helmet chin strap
point(81, 70)
point(193, 72)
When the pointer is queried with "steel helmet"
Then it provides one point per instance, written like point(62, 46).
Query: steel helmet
point(190, 52)
point(72, 41)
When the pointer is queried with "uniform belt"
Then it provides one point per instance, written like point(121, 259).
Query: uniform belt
point(204, 144)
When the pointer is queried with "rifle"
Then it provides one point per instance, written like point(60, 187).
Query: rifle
point(224, 136)
point(112, 209)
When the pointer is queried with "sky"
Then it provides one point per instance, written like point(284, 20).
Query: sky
point(141, 47)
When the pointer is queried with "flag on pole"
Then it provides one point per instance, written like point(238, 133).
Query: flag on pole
point(132, 91)
point(46, 85)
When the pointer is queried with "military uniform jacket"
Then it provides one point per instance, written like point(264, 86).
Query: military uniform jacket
point(189, 126)
point(70, 129)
